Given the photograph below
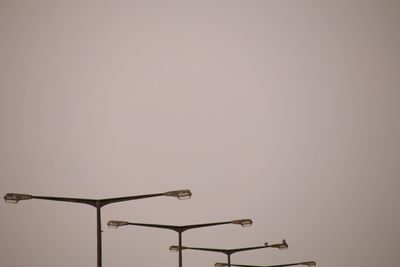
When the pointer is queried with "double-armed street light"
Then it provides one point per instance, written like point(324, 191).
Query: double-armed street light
point(306, 263)
point(229, 252)
point(180, 228)
point(98, 204)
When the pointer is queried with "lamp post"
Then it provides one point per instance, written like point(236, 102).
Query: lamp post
point(229, 252)
point(98, 204)
point(306, 263)
point(180, 229)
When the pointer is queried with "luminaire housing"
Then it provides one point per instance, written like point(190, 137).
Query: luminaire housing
point(15, 197)
point(281, 246)
point(116, 224)
point(309, 263)
point(180, 194)
point(243, 222)
point(176, 248)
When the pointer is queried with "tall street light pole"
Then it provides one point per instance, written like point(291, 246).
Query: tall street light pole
point(229, 252)
point(180, 229)
point(98, 204)
point(306, 263)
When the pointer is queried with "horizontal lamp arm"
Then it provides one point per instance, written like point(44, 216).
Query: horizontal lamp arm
point(248, 248)
point(15, 197)
point(306, 263)
point(162, 226)
point(225, 251)
point(107, 201)
point(91, 202)
point(242, 222)
point(193, 226)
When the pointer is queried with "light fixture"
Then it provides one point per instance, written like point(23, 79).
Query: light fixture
point(306, 263)
point(98, 204)
point(179, 228)
point(180, 194)
point(14, 197)
point(116, 224)
point(281, 246)
point(227, 252)
point(243, 222)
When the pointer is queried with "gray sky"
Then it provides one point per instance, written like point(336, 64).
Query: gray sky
point(283, 112)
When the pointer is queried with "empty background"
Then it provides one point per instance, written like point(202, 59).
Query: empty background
point(286, 112)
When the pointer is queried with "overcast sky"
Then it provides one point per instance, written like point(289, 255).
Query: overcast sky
point(286, 112)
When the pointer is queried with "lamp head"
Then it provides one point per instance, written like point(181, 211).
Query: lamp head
point(176, 248)
point(180, 194)
point(281, 246)
point(14, 197)
point(243, 222)
point(116, 224)
point(309, 263)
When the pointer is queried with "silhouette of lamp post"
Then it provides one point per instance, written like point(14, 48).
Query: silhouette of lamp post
point(98, 204)
point(180, 229)
point(229, 252)
point(306, 263)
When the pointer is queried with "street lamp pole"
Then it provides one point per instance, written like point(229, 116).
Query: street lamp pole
point(306, 263)
point(98, 204)
point(180, 228)
point(229, 252)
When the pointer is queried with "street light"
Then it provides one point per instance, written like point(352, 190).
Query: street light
point(306, 263)
point(180, 229)
point(98, 204)
point(229, 252)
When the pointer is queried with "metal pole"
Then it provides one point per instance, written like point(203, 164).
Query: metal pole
point(229, 260)
point(98, 237)
point(180, 249)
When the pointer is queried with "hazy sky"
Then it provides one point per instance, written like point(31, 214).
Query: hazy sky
point(286, 112)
